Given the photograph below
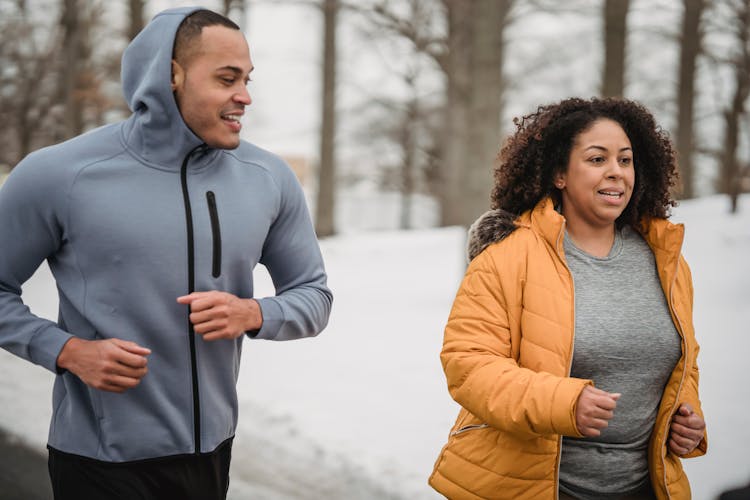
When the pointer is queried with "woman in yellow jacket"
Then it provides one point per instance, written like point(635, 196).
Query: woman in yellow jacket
point(570, 345)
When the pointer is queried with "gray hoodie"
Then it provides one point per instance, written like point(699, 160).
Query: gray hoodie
point(129, 217)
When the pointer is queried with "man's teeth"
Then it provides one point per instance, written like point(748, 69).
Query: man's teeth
point(233, 118)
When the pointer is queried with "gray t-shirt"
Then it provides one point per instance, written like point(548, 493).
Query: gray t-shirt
point(625, 342)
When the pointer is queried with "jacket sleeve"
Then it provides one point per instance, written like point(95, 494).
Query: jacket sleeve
point(690, 393)
point(30, 232)
point(292, 256)
point(478, 359)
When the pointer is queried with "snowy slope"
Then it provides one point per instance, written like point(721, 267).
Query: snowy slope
point(362, 410)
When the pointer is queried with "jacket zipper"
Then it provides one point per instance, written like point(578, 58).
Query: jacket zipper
point(683, 344)
point(191, 289)
point(561, 254)
point(215, 232)
point(467, 428)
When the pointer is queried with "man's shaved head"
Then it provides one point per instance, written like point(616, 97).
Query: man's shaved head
point(188, 34)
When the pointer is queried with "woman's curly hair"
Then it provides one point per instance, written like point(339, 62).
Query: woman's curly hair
point(541, 145)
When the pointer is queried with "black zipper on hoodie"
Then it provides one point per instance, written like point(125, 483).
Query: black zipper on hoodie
point(213, 213)
point(191, 289)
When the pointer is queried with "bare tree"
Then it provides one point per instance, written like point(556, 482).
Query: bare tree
point(403, 128)
point(325, 206)
point(135, 17)
point(409, 144)
point(690, 47)
point(81, 70)
point(73, 58)
point(27, 55)
point(51, 87)
point(615, 39)
point(405, 124)
point(474, 100)
point(730, 181)
point(236, 10)
point(469, 55)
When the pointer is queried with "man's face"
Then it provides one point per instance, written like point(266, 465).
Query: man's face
point(211, 88)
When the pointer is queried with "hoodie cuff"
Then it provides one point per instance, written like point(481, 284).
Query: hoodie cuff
point(45, 347)
point(273, 319)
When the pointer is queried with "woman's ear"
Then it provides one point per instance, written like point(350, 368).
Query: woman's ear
point(178, 75)
point(560, 180)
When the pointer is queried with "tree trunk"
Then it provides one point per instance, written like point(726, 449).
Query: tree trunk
point(236, 10)
point(71, 68)
point(690, 47)
point(474, 100)
point(730, 182)
point(486, 106)
point(325, 206)
point(135, 13)
point(409, 167)
point(26, 93)
point(455, 141)
point(615, 35)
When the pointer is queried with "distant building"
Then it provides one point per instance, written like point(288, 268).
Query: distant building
point(301, 167)
point(4, 171)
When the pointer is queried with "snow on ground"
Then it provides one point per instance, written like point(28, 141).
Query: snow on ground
point(362, 411)
point(717, 247)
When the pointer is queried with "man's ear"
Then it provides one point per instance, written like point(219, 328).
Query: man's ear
point(178, 75)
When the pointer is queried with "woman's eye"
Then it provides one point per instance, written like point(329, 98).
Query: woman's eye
point(626, 161)
point(597, 159)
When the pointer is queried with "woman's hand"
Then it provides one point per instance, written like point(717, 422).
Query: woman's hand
point(594, 410)
point(686, 430)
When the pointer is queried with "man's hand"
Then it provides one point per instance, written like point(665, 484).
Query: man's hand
point(594, 410)
point(686, 430)
point(109, 365)
point(220, 315)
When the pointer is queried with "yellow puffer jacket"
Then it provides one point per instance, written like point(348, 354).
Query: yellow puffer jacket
point(507, 353)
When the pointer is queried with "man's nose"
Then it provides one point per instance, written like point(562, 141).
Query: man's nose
point(243, 97)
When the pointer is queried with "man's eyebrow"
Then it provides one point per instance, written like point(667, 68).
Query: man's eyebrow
point(235, 69)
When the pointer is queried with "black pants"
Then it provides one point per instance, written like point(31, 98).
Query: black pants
point(189, 477)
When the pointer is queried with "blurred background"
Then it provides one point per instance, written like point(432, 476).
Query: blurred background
point(404, 103)
point(391, 112)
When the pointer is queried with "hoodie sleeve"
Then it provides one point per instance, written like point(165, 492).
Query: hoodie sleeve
point(292, 256)
point(30, 232)
point(483, 376)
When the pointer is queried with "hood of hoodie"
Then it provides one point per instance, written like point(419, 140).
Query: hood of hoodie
point(155, 132)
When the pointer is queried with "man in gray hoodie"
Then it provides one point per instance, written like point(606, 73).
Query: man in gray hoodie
point(152, 228)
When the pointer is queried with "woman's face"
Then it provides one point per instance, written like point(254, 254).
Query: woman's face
point(598, 182)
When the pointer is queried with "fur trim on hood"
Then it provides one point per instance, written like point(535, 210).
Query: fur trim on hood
point(490, 227)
